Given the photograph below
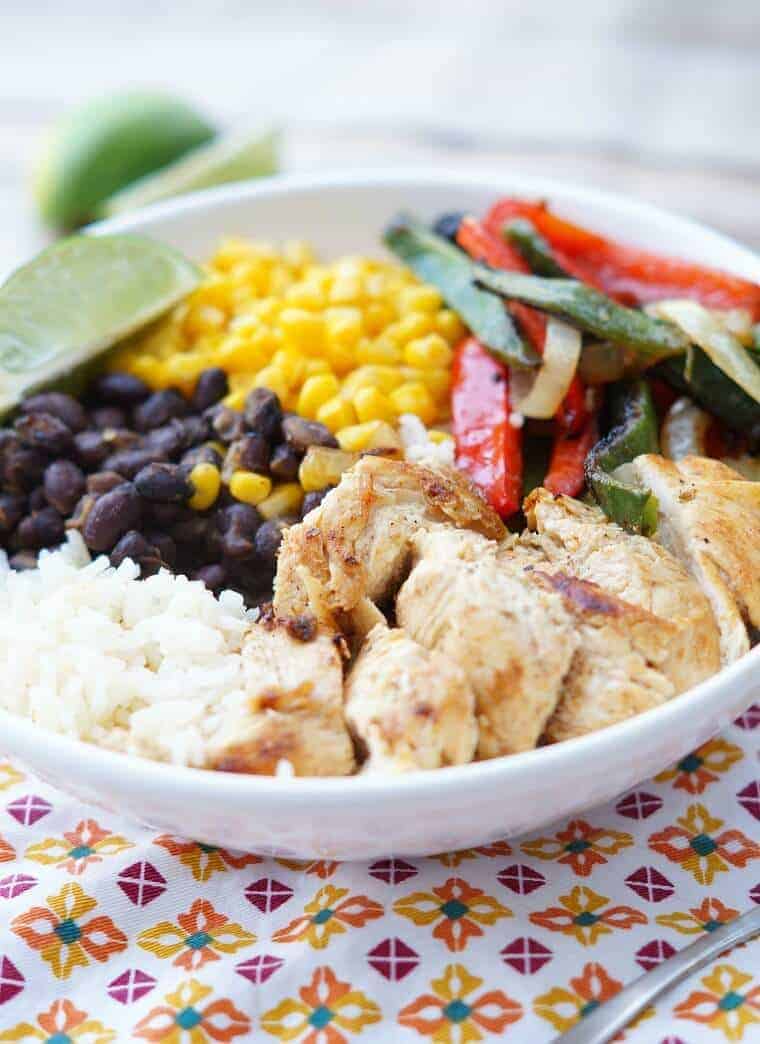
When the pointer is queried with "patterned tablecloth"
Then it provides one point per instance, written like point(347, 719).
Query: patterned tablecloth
point(109, 932)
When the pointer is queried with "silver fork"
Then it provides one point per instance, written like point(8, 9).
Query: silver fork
point(614, 1015)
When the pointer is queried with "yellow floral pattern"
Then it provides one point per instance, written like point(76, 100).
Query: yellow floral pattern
point(322, 1011)
point(729, 1002)
point(331, 912)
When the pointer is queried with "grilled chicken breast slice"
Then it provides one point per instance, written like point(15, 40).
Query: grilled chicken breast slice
point(291, 709)
point(709, 518)
point(627, 660)
point(409, 707)
point(513, 639)
point(352, 551)
point(579, 540)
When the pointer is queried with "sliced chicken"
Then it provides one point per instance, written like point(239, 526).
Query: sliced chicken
point(352, 551)
point(579, 540)
point(409, 707)
point(291, 710)
point(710, 519)
point(627, 659)
point(513, 639)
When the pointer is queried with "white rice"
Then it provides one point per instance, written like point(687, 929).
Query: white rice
point(139, 665)
point(418, 448)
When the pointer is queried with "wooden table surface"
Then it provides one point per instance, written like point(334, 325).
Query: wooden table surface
point(659, 100)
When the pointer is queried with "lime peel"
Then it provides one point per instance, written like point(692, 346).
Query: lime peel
point(78, 298)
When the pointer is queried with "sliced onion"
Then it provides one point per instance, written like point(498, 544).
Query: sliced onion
point(684, 430)
point(711, 335)
point(748, 467)
point(540, 394)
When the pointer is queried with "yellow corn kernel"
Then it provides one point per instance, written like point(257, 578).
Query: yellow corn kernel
point(323, 466)
point(419, 299)
point(438, 437)
point(377, 315)
point(316, 391)
point(150, 370)
point(301, 329)
point(428, 351)
point(449, 325)
point(206, 482)
point(283, 500)
point(343, 326)
point(241, 352)
point(235, 400)
point(406, 329)
point(266, 308)
point(273, 378)
point(437, 379)
point(290, 363)
point(413, 397)
point(336, 413)
point(386, 378)
point(374, 434)
point(306, 295)
point(381, 351)
point(203, 319)
point(371, 405)
point(341, 358)
point(298, 254)
point(314, 367)
point(250, 487)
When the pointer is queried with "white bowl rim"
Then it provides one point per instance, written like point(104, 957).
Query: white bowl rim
point(334, 789)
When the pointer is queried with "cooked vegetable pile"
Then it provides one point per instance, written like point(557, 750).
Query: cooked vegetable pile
point(582, 347)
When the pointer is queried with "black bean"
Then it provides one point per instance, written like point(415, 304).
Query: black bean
point(214, 576)
point(314, 499)
point(211, 387)
point(284, 462)
point(129, 462)
point(104, 481)
point(193, 530)
point(165, 483)
point(81, 511)
point(23, 560)
point(40, 529)
point(135, 546)
point(22, 468)
point(250, 453)
point(109, 417)
point(168, 440)
point(37, 499)
point(164, 544)
point(64, 484)
point(159, 409)
point(12, 508)
point(195, 429)
point(91, 448)
point(119, 439)
point(268, 540)
point(119, 389)
point(205, 454)
point(238, 524)
point(45, 432)
point(227, 424)
point(58, 404)
point(301, 433)
point(112, 515)
point(263, 413)
point(167, 515)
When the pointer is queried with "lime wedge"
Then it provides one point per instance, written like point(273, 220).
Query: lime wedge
point(79, 297)
point(231, 158)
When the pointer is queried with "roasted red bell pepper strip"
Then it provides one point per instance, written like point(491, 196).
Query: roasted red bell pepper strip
point(565, 474)
point(488, 447)
point(626, 273)
point(483, 245)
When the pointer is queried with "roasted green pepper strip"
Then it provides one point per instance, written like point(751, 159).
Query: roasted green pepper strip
point(697, 375)
point(523, 235)
point(439, 262)
point(634, 431)
point(592, 311)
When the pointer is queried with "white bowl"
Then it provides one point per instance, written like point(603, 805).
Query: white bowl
point(423, 812)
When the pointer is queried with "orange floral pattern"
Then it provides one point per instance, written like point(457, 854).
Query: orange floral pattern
point(63, 1023)
point(492, 851)
point(457, 910)
point(585, 915)
point(321, 868)
point(79, 848)
point(61, 936)
point(205, 860)
point(579, 846)
point(709, 915)
point(323, 1008)
point(704, 766)
point(331, 912)
point(186, 1017)
point(200, 935)
point(728, 1002)
point(699, 845)
point(450, 1014)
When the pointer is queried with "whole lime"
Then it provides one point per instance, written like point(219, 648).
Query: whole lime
point(107, 144)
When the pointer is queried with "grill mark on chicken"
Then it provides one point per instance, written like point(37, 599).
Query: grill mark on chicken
point(585, 595)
